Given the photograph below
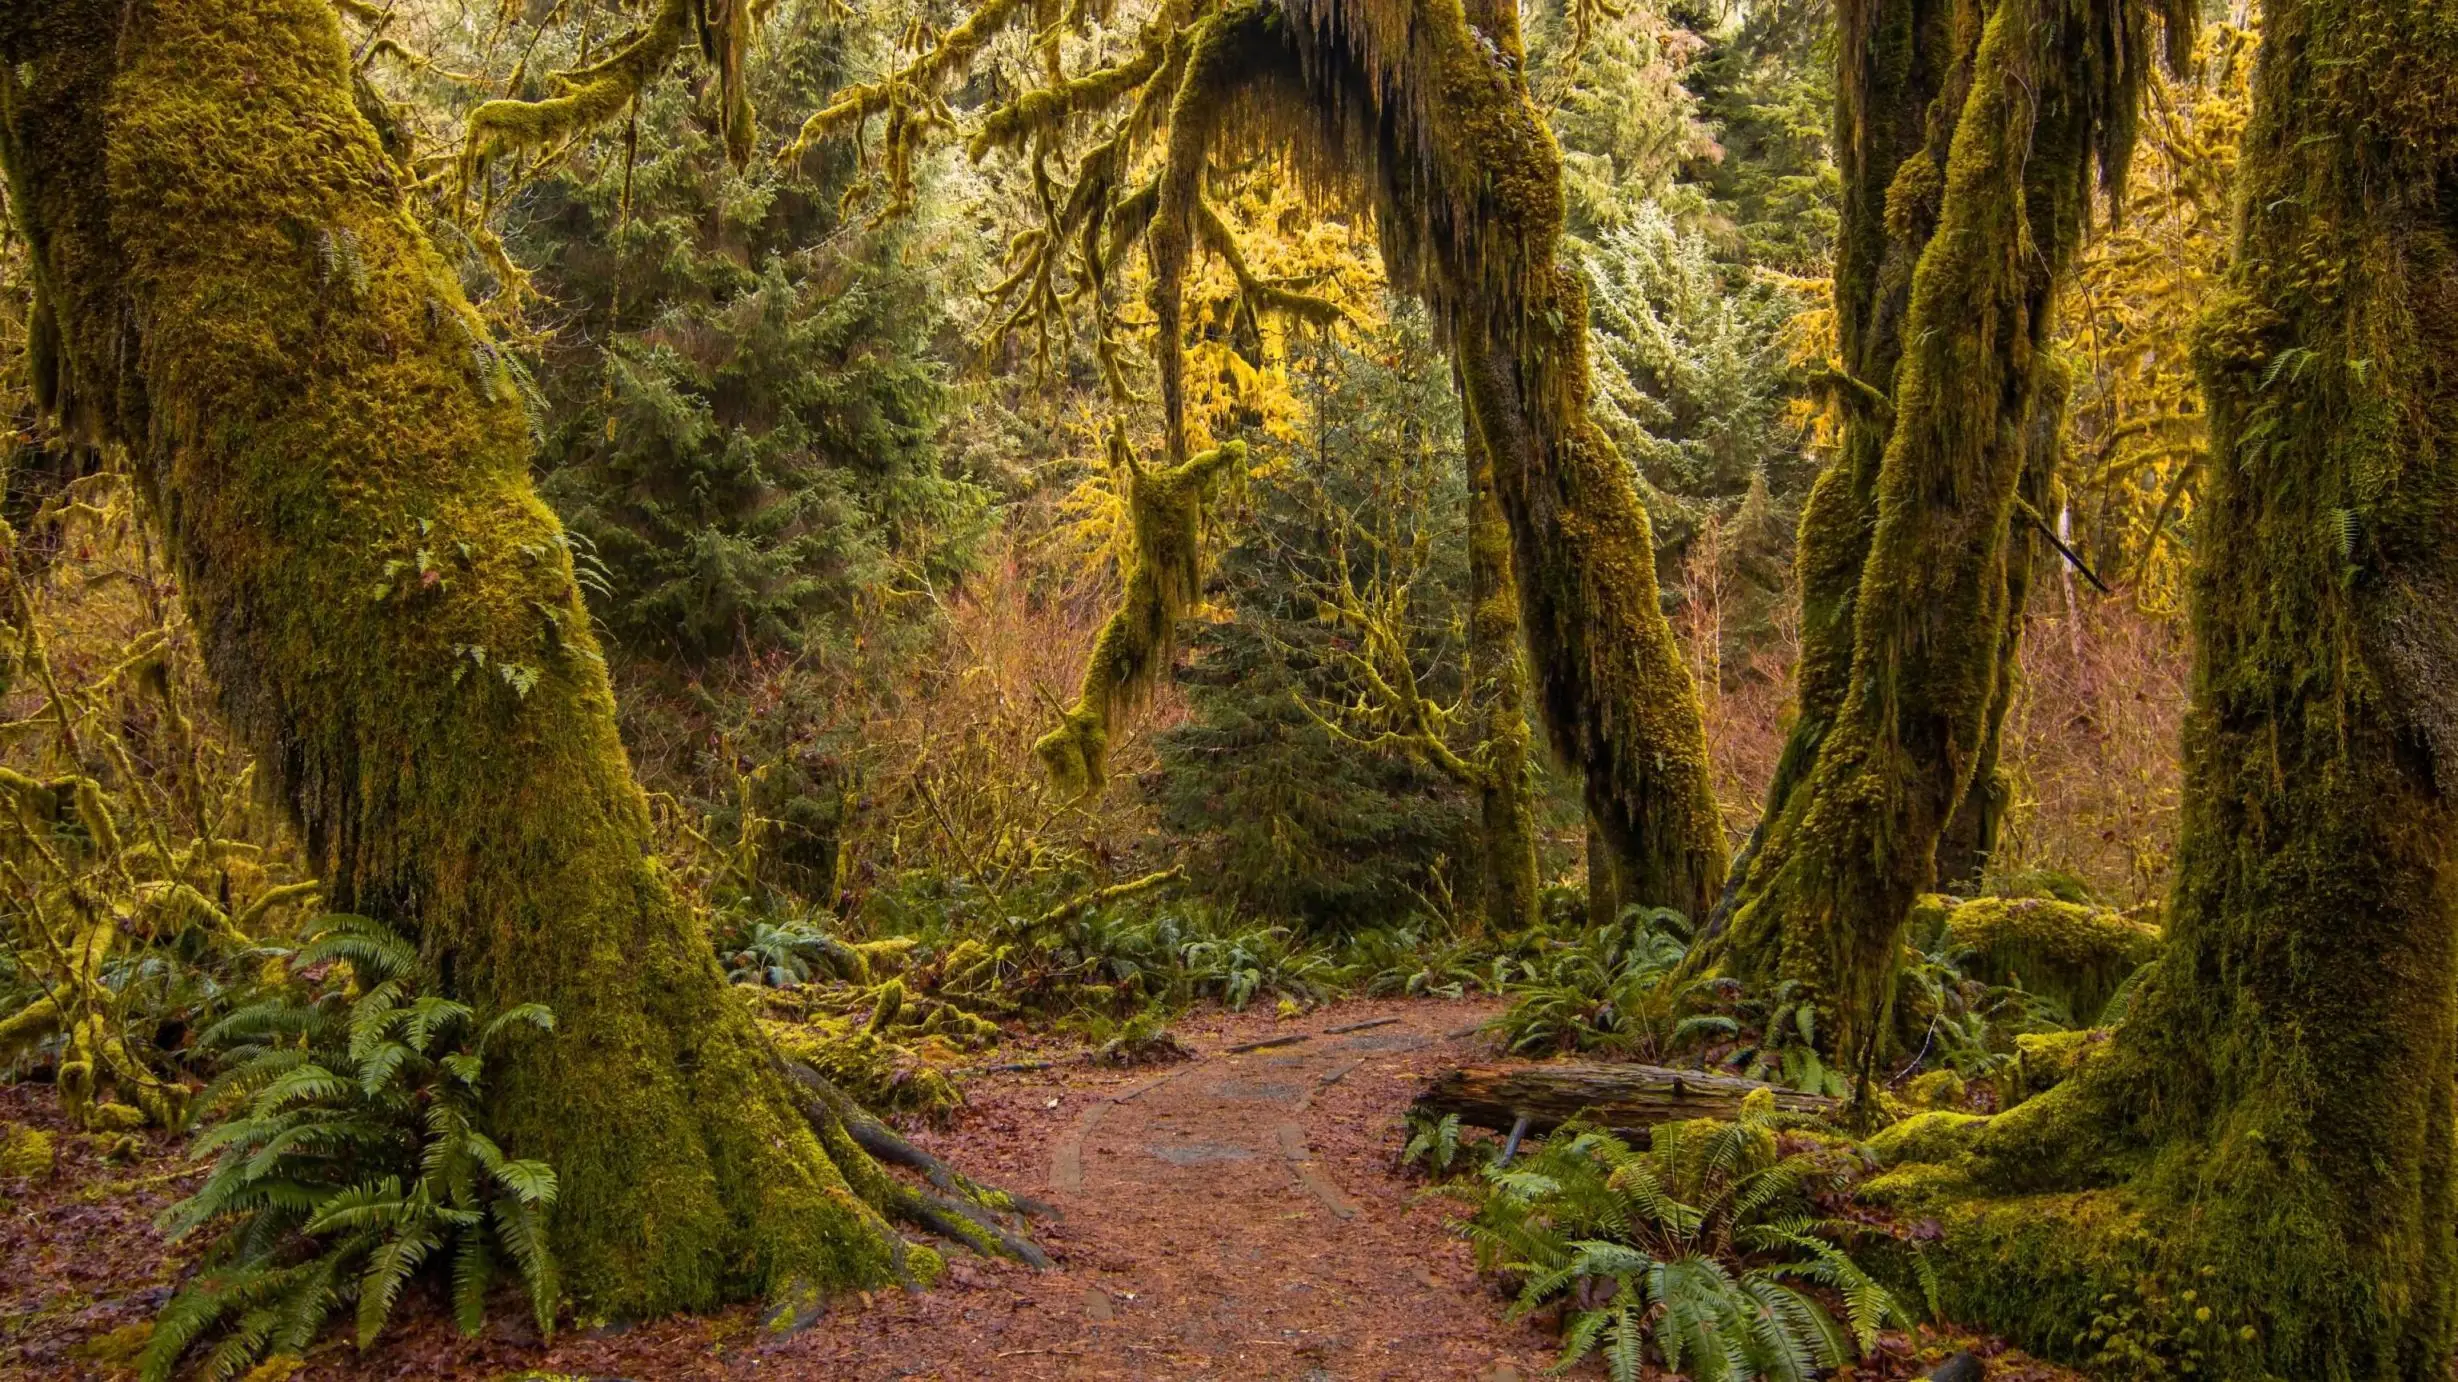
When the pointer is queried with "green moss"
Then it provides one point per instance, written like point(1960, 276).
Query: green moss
point(2075, 954)
point(1935, 1136)
point(2044, 1060)
point(25, 1153)
point(1938, 1089)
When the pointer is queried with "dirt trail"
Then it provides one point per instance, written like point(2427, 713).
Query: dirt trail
point(1241, 1240)
point(1232, 1216)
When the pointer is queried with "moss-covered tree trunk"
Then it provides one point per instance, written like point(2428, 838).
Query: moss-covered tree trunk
point(2045, 102)
point(1894, 58)
point(340, 457)
point(2272, 1126)
point(1497, 676)
point(1971, 834)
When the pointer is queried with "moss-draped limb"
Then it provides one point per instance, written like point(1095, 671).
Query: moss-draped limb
point(2278, 1104)
point(1162, 581)
point(341, 463)
point(916, 81)
point(1840, 862)
point(590, 95)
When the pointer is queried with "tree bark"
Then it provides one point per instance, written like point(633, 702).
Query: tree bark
point(2273, 1125)
point(339, 455)
point(1626, 1099)
point(2049, 99)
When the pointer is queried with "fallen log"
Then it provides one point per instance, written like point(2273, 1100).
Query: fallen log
point(1628, 1099)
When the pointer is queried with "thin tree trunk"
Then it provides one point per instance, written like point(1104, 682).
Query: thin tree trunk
point(1497, 677)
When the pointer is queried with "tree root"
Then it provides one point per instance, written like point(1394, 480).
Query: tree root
point(957, 1208)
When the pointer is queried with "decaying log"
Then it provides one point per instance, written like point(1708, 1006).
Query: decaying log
point(1625, 1098)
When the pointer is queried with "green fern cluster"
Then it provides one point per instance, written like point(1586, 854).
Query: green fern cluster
point(349, 1155)
point(1438, 1145)
point(1690, 1249)
point(1951, 1021)
point(1612, 988)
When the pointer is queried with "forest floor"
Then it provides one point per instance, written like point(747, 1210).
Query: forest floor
point(1236, 1215)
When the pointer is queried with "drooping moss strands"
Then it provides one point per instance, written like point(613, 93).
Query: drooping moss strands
point(1226, 51)
point(1841, 861)
point(1971, 834)
point(2273, 1125)
point(444, 738)
point(1166, 509)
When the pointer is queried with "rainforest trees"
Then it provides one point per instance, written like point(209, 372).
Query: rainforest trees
point(2271, 1127)
point(232, 288)
point(1969, 139)
point(1421, 115)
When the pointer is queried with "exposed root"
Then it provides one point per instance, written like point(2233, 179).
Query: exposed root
point(962, 1210)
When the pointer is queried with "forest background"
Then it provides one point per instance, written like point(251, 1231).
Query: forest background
point(849, 543)
point(838, 481)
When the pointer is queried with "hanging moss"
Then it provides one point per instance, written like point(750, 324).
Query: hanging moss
point(391, 619)
point(2272, 1125)
point(2046, 102)
point(1162, 582)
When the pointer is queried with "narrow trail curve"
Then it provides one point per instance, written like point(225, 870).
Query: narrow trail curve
point(1241, 1221)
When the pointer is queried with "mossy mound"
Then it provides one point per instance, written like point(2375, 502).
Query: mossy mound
point(2076, 954)
point(25, 1153)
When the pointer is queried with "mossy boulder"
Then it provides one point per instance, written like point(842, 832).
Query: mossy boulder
point(2044, 1060)
point(2073, 953)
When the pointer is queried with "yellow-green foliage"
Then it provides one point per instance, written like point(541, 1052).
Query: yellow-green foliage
point(2071, 952)
point(392, 620)
point(25, 1153)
